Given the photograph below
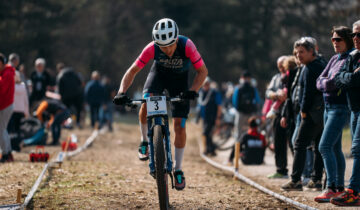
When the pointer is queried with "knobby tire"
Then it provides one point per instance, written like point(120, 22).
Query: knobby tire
point(161, 176)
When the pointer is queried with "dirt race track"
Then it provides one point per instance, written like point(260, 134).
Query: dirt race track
point(109, 175)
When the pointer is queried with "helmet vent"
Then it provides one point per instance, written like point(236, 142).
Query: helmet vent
point(165, 32)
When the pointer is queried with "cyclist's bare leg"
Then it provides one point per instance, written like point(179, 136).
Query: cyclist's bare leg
point(143, 123)
point(180, 141)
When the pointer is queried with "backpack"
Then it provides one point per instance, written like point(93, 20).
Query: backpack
point(246, 99)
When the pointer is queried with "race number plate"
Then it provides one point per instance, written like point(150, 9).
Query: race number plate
point(156, 105)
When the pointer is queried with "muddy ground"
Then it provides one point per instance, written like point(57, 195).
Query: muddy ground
point(109, 175)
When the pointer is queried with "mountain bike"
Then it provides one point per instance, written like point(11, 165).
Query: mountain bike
point(160, 158)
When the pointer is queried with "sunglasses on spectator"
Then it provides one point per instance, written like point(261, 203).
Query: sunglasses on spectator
point(336, 39)
point(355, 34)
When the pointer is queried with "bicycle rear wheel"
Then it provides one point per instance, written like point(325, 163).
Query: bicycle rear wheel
point(161, 176)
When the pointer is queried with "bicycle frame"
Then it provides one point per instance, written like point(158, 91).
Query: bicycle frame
point(163, 121)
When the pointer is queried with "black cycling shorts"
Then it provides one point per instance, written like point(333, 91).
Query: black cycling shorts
point(157, 82)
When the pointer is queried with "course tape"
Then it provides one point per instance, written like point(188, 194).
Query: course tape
point(35, 186)
point(11, 207)
point(254, 184)
point(59, 159)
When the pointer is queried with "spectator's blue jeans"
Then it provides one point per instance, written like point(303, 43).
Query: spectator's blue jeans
point(335, 118)
point(106, 115)
point(355, 151)
point(309, 153)
point(94, 114)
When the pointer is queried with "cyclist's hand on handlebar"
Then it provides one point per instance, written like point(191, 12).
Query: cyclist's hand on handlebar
point(190, 95)
point(121, 99)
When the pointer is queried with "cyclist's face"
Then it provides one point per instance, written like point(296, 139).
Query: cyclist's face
point(169, 50)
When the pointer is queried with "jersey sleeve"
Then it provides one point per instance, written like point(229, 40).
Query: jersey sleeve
point(147, 54)
point(192, 53)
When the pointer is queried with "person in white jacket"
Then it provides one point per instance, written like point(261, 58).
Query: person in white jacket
point(21, 110)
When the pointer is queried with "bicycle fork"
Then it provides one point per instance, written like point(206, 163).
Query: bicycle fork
point(163, 122)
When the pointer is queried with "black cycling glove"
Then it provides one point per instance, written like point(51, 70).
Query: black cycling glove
point(121, 99)
point(190, 95)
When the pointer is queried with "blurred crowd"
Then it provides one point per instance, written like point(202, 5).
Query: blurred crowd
point(48, 100)
point(306, 107)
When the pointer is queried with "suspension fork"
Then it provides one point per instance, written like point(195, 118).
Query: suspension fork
point(167, 143)
point(150, 135)
point(164, 123)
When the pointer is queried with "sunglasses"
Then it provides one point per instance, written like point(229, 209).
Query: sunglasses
point(355, 34)
point(336, 39)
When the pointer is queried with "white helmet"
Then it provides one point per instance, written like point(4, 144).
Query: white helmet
point(165, 32)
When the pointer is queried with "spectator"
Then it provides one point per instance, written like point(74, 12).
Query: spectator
point(94, 96)
point(57, 112)
point(284, 83)
point(252, 145)
point(349, 79)
point(274, 92)
point(21, 110)
point(7, 89)
point(336, 115)
point(291, 118)
point(311, 111)
point(244, 100)
point(14, 60)
point(71, 89)
point(40, 81)
point(106, 112)
point(210, 111)
point(24, 79)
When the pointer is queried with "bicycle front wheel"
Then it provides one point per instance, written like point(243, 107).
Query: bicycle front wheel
point(161, 176)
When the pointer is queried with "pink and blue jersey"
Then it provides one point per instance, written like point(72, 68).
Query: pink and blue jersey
point(184, 54)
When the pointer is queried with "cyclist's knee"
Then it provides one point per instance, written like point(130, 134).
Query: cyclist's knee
point(142, 114)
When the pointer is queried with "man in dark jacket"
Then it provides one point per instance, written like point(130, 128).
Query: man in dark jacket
point(311, 111)
point(40, 79)
point(349, 79)
point(71, 90)
point(245, 100)
point(210, 112)
point(94, 95)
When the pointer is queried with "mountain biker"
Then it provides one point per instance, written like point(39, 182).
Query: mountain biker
point(172, 54)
